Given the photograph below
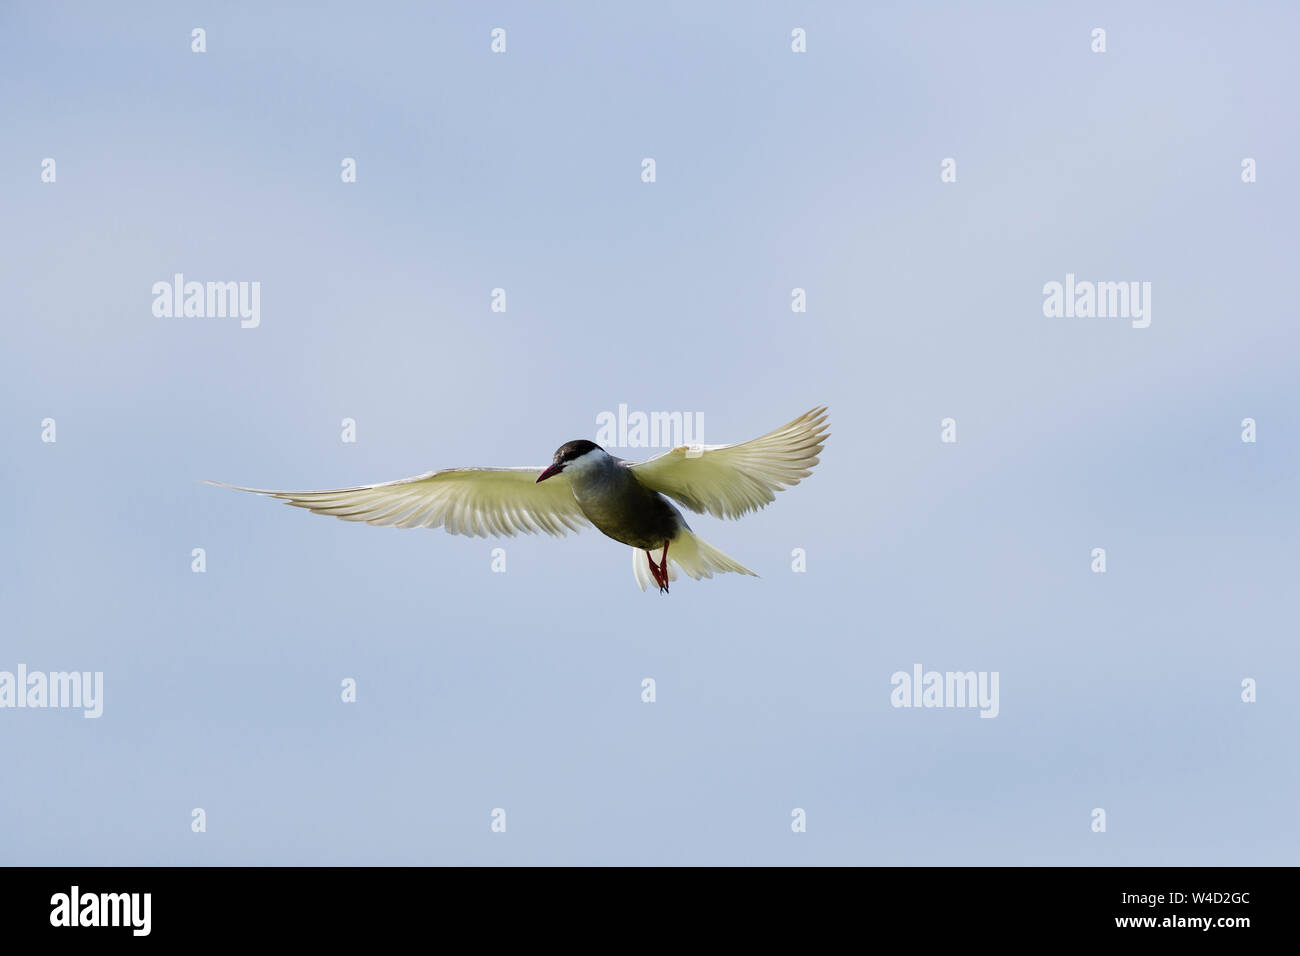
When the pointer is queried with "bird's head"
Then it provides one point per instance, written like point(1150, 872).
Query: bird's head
point(578, 455)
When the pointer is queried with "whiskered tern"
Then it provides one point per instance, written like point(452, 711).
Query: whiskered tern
point(585, 485)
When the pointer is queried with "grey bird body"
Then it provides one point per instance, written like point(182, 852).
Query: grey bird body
point(620, 506)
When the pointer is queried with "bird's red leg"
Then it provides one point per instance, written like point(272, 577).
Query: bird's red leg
point(663, 567)
point(654, 570)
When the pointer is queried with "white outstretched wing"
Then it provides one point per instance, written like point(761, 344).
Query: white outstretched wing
point(471, 501)
point(730, 480)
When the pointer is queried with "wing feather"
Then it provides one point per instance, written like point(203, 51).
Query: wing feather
point(728, 481)
point(479, 502)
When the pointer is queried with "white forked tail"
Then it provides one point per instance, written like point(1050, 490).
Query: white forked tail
point(694, 555)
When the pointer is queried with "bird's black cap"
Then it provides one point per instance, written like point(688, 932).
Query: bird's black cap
point(574, 449)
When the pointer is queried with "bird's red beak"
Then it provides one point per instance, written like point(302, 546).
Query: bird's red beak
point(549, 472)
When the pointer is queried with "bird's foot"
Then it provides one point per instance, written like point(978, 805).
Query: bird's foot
point(659, 573)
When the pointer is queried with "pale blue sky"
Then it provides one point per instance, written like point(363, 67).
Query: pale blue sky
point(775, 170)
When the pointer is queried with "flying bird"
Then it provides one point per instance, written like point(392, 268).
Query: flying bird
point(585, 485)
